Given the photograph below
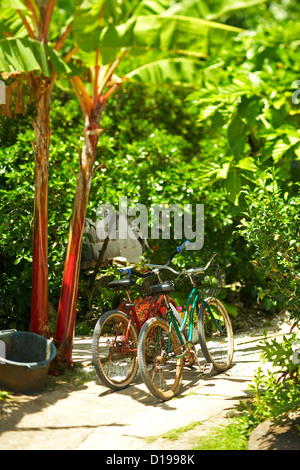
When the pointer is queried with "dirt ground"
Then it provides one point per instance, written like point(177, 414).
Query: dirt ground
point(84, 415)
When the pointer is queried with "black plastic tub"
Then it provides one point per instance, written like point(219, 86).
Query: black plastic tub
point(24, 361)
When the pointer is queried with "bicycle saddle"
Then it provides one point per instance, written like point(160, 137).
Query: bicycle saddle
point(162, 288)
point(122, 283)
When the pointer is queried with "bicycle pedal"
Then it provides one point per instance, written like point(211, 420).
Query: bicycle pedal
point(207, 368)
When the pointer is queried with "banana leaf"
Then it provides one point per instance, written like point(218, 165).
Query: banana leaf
point(26, 55)
point(176, 71)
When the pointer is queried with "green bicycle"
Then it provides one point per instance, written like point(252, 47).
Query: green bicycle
point(162, 348)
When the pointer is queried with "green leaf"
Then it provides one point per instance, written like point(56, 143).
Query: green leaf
point(281, 146)
point(247, 164)
point(237, 135)
point(250, 109)
point(19, 55)
point(167, 33)
point(208, 170)
point(222, 173)
point(210, 10)
point(175, 71)
point(233, 186)
point(175, 33)
point(208, 111)
point(11, 22)
point(59, 65)
point(14, 4)
point(151, 7)
point(27, 55)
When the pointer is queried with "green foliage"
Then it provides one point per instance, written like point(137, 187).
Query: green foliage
point(16, 192)
point(33, 56)
point(248, 102)
point(157, 25)
point(270, 399)
point(4, 395)
point(272, 228)
point(284, 356)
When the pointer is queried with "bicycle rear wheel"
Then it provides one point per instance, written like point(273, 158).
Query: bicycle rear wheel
point(157, 350)
point(114, 349)
point(215, 334)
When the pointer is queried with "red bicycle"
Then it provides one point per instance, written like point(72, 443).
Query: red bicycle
point(115, 337)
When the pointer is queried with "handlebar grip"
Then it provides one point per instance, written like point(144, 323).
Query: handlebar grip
point(182, 247)
point(125, 271)
point(135, 272)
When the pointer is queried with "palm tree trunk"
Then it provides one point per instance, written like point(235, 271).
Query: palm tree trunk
point(39, 304)
point(64, 331)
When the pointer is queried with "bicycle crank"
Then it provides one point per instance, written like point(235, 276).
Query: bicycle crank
point(190, 356)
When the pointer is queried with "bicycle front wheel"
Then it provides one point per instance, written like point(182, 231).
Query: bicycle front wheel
point(160, 359)
point(215, 334)
point(114, 349)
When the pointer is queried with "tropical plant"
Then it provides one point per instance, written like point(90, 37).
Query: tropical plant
point(249, 103)
point(28, 54)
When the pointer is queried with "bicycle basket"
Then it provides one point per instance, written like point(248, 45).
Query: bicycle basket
point(209, 282)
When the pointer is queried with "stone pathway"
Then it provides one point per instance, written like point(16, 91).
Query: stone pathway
point(91, 417)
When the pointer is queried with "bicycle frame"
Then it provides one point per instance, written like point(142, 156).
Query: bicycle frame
point(133, 313)
point(192, 299)
point(192, 306)
point(193, 303)
point(155, 304)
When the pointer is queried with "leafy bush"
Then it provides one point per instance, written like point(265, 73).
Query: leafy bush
point(284, 357)
point(275, 393)
point(270, 399)
point(17, 196)
point(16, 183)
point(272, 228)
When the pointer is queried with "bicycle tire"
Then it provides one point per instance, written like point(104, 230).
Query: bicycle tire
point(161, 373)
point(216, 343)
point(114, 349)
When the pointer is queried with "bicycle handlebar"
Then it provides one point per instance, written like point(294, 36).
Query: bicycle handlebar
point(189, 271)
point(133, 271)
